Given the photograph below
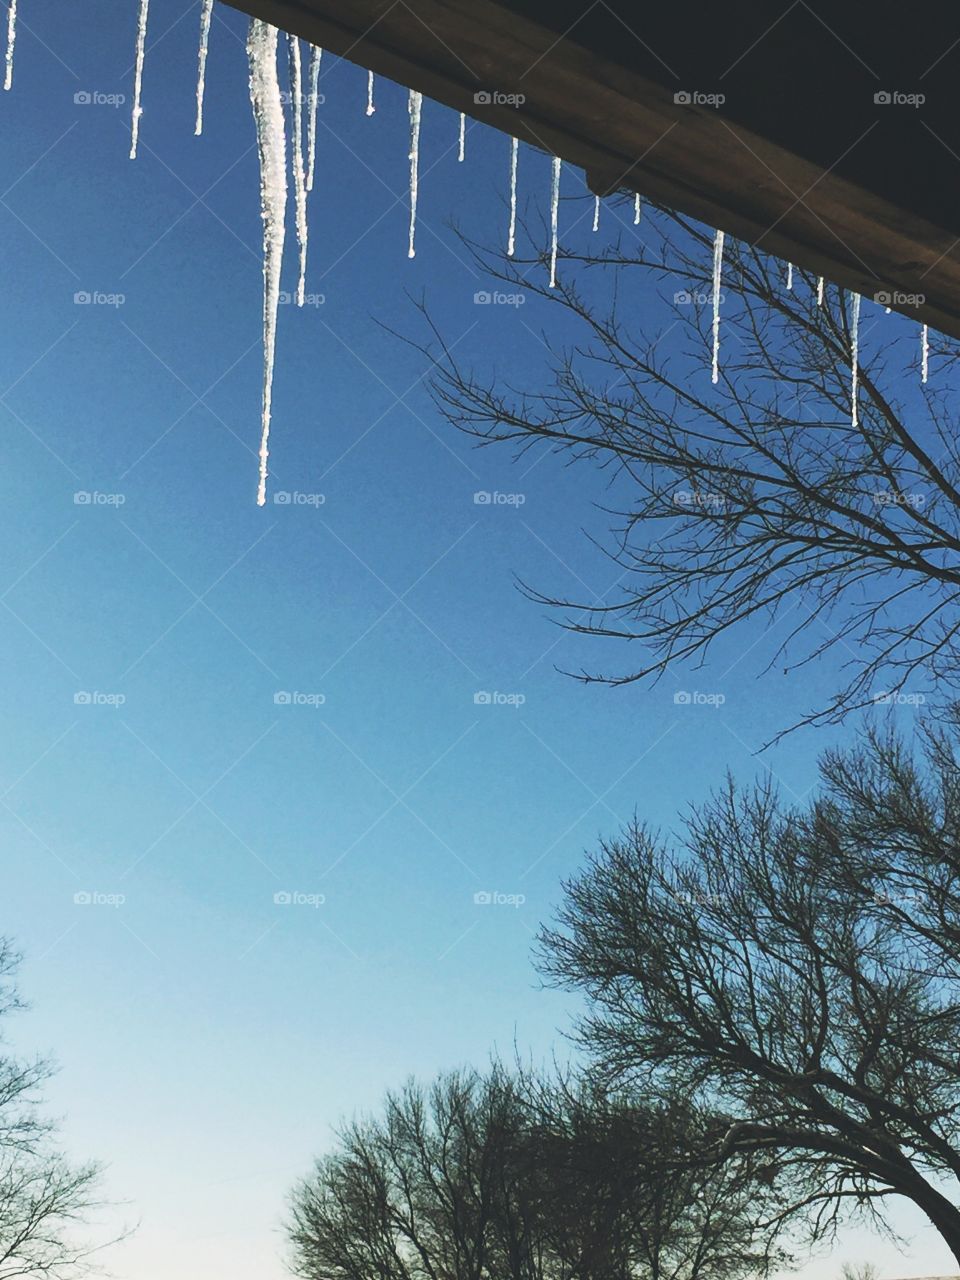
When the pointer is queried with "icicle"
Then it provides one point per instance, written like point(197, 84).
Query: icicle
point(272, 146)
point(789, 275)
point(206, 12)
point(370, 107)
point(463, 138)
point(924, 353)
point(854, 360)
point(596, 213)
point(315, 55)
point(11, 41)
point(717, 268)
point(820, 291)
point(512, 232)
point(138, 77)
point(414, 107)
point(554, 217)
point(636, 209)
point(296, 157)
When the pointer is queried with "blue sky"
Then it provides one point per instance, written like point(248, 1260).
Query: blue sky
point(208, 1035)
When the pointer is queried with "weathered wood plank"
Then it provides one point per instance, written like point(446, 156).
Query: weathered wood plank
point(611, 109)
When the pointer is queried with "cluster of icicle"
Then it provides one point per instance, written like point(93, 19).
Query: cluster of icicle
point(854, 326)
point(267, 102)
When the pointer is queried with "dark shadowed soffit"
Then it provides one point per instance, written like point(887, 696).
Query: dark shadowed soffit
point(836, 144)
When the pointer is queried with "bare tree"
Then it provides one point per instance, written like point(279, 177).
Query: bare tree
point(44, 1199)
point(797, 971)
point(485, 1177)
point(761, 497)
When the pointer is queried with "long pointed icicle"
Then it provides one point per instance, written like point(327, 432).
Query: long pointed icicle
point(11, 41)
point(855, 361)
point(316, 54)
point(462, 149)
point(789, 275)
point(717, 272)
point(370, 106)
point(554, 217)
point(596, 213)
point(636, 209)
point(296, 157)
point(138, 77)
point(272, 146)
point(820, 291)
point(512, 230)
point(414, 107)
point(206, 13)
point(924, 352)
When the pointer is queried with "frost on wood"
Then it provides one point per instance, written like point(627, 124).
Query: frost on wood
point(138, 77)
point(296, 159)
point(11, 41)
point(461, 151)
point(596, 213)
point(512, 230)
point(206, 12)
point(271, 145)
point(370, 107)
point(554, 217)
point(315, 55)
point(414, 107)
point(717, 271)
point(855, 360)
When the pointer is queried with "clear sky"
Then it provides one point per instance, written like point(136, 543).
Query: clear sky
point(209, 1036)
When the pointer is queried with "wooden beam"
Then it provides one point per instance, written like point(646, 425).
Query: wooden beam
point(833, 206)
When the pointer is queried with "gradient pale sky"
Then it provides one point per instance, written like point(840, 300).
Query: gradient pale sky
point(209, 1037)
